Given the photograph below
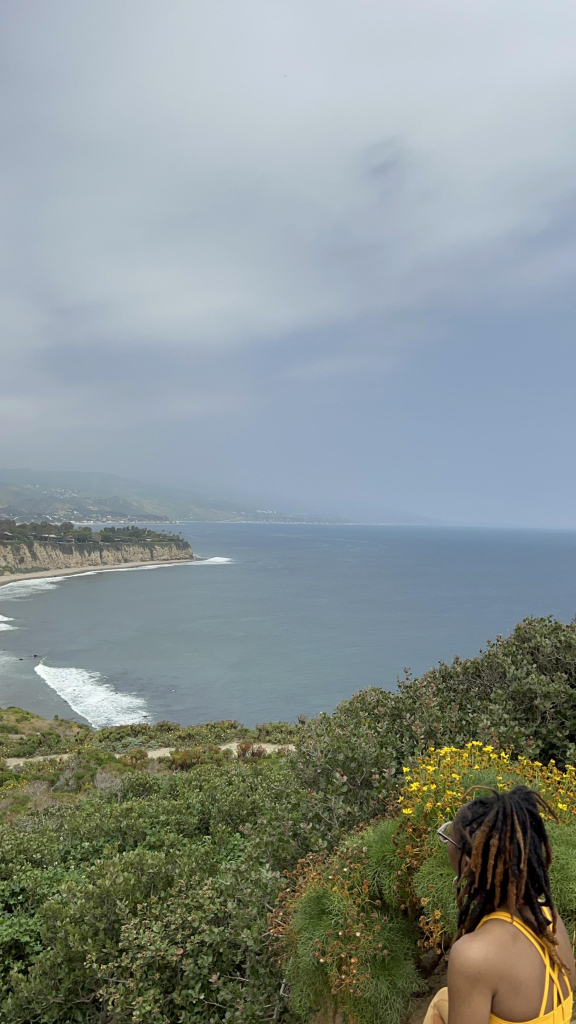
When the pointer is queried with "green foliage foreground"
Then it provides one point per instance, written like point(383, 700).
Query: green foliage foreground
point(151, 904)
point(164, 899)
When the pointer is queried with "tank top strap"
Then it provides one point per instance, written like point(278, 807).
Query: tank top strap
point(502, 915)
point(551, 973)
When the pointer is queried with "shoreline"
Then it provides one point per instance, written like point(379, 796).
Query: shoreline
point(56, 573)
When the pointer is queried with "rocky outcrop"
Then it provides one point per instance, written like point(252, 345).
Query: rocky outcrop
point(36, 555)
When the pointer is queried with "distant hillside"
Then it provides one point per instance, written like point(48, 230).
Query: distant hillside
point(104, 497)
point(375, 513)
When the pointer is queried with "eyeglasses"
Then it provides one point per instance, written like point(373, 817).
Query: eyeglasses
point(444, 836)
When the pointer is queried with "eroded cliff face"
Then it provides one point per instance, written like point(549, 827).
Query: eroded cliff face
point(36, 555)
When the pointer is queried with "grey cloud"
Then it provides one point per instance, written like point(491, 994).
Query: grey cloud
point(208, 204)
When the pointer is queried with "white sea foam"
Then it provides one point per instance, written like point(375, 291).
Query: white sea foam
point(161, 565)
point(26, 588)
point(139, 568)
point(6, 625)
point(89, 695)
point(7, 661)
point(145, 568)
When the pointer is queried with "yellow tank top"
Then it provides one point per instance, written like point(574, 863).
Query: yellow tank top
point(561, 1011)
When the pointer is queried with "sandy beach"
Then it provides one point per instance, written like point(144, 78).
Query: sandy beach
point(52, 573)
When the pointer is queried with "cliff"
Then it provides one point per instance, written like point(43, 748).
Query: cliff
point(34, 556)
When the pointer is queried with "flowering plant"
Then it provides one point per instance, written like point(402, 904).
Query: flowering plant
point(339, 938)
point(434, 789)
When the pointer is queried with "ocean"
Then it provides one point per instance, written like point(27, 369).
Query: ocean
point(282, 621)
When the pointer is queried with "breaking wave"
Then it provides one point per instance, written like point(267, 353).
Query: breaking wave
point(89, 695)
point(26, 588)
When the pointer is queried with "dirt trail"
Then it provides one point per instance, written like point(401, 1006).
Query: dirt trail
point(17, 762)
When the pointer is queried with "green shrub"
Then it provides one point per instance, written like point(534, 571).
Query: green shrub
point(248, 751)
point(169, 734)
point(520, 694)
point(184, 760)
point(198, 952)
point(70, 891)
point(119, 738)
point(349, 758)
point(342, 940)
point(276, 732)
point(134, 757)
point(563, 872)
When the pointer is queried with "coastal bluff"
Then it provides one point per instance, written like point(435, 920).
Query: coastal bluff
point(27, 548)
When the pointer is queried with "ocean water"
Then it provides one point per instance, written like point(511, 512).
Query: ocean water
point(281, 621)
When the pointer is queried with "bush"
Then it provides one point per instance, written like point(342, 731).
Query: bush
point(349, 758)
point(248, 751)
point(198, 952)
point(184, 760)
point(168, 734)
point(154, 937)
point(190, 856)
point(135, 757)
point(276, 732)
point(342, 940)
point(519, 694)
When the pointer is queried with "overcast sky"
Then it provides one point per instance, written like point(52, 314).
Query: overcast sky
point(311, 249)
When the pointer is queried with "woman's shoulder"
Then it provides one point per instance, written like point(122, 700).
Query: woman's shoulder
point(478, 951)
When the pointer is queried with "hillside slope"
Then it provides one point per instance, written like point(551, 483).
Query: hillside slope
point(104, 497)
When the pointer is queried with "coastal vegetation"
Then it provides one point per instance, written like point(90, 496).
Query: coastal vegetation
point(11, 531)
point(205, 887)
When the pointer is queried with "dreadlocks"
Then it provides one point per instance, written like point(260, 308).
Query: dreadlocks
point(508, 855)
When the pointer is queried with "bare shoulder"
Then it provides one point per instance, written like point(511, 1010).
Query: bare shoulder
point(470, 980)
point(475, 954)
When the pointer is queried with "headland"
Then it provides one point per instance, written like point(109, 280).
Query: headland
point(35, 550)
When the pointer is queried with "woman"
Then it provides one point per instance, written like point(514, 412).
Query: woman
point(512, 960)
